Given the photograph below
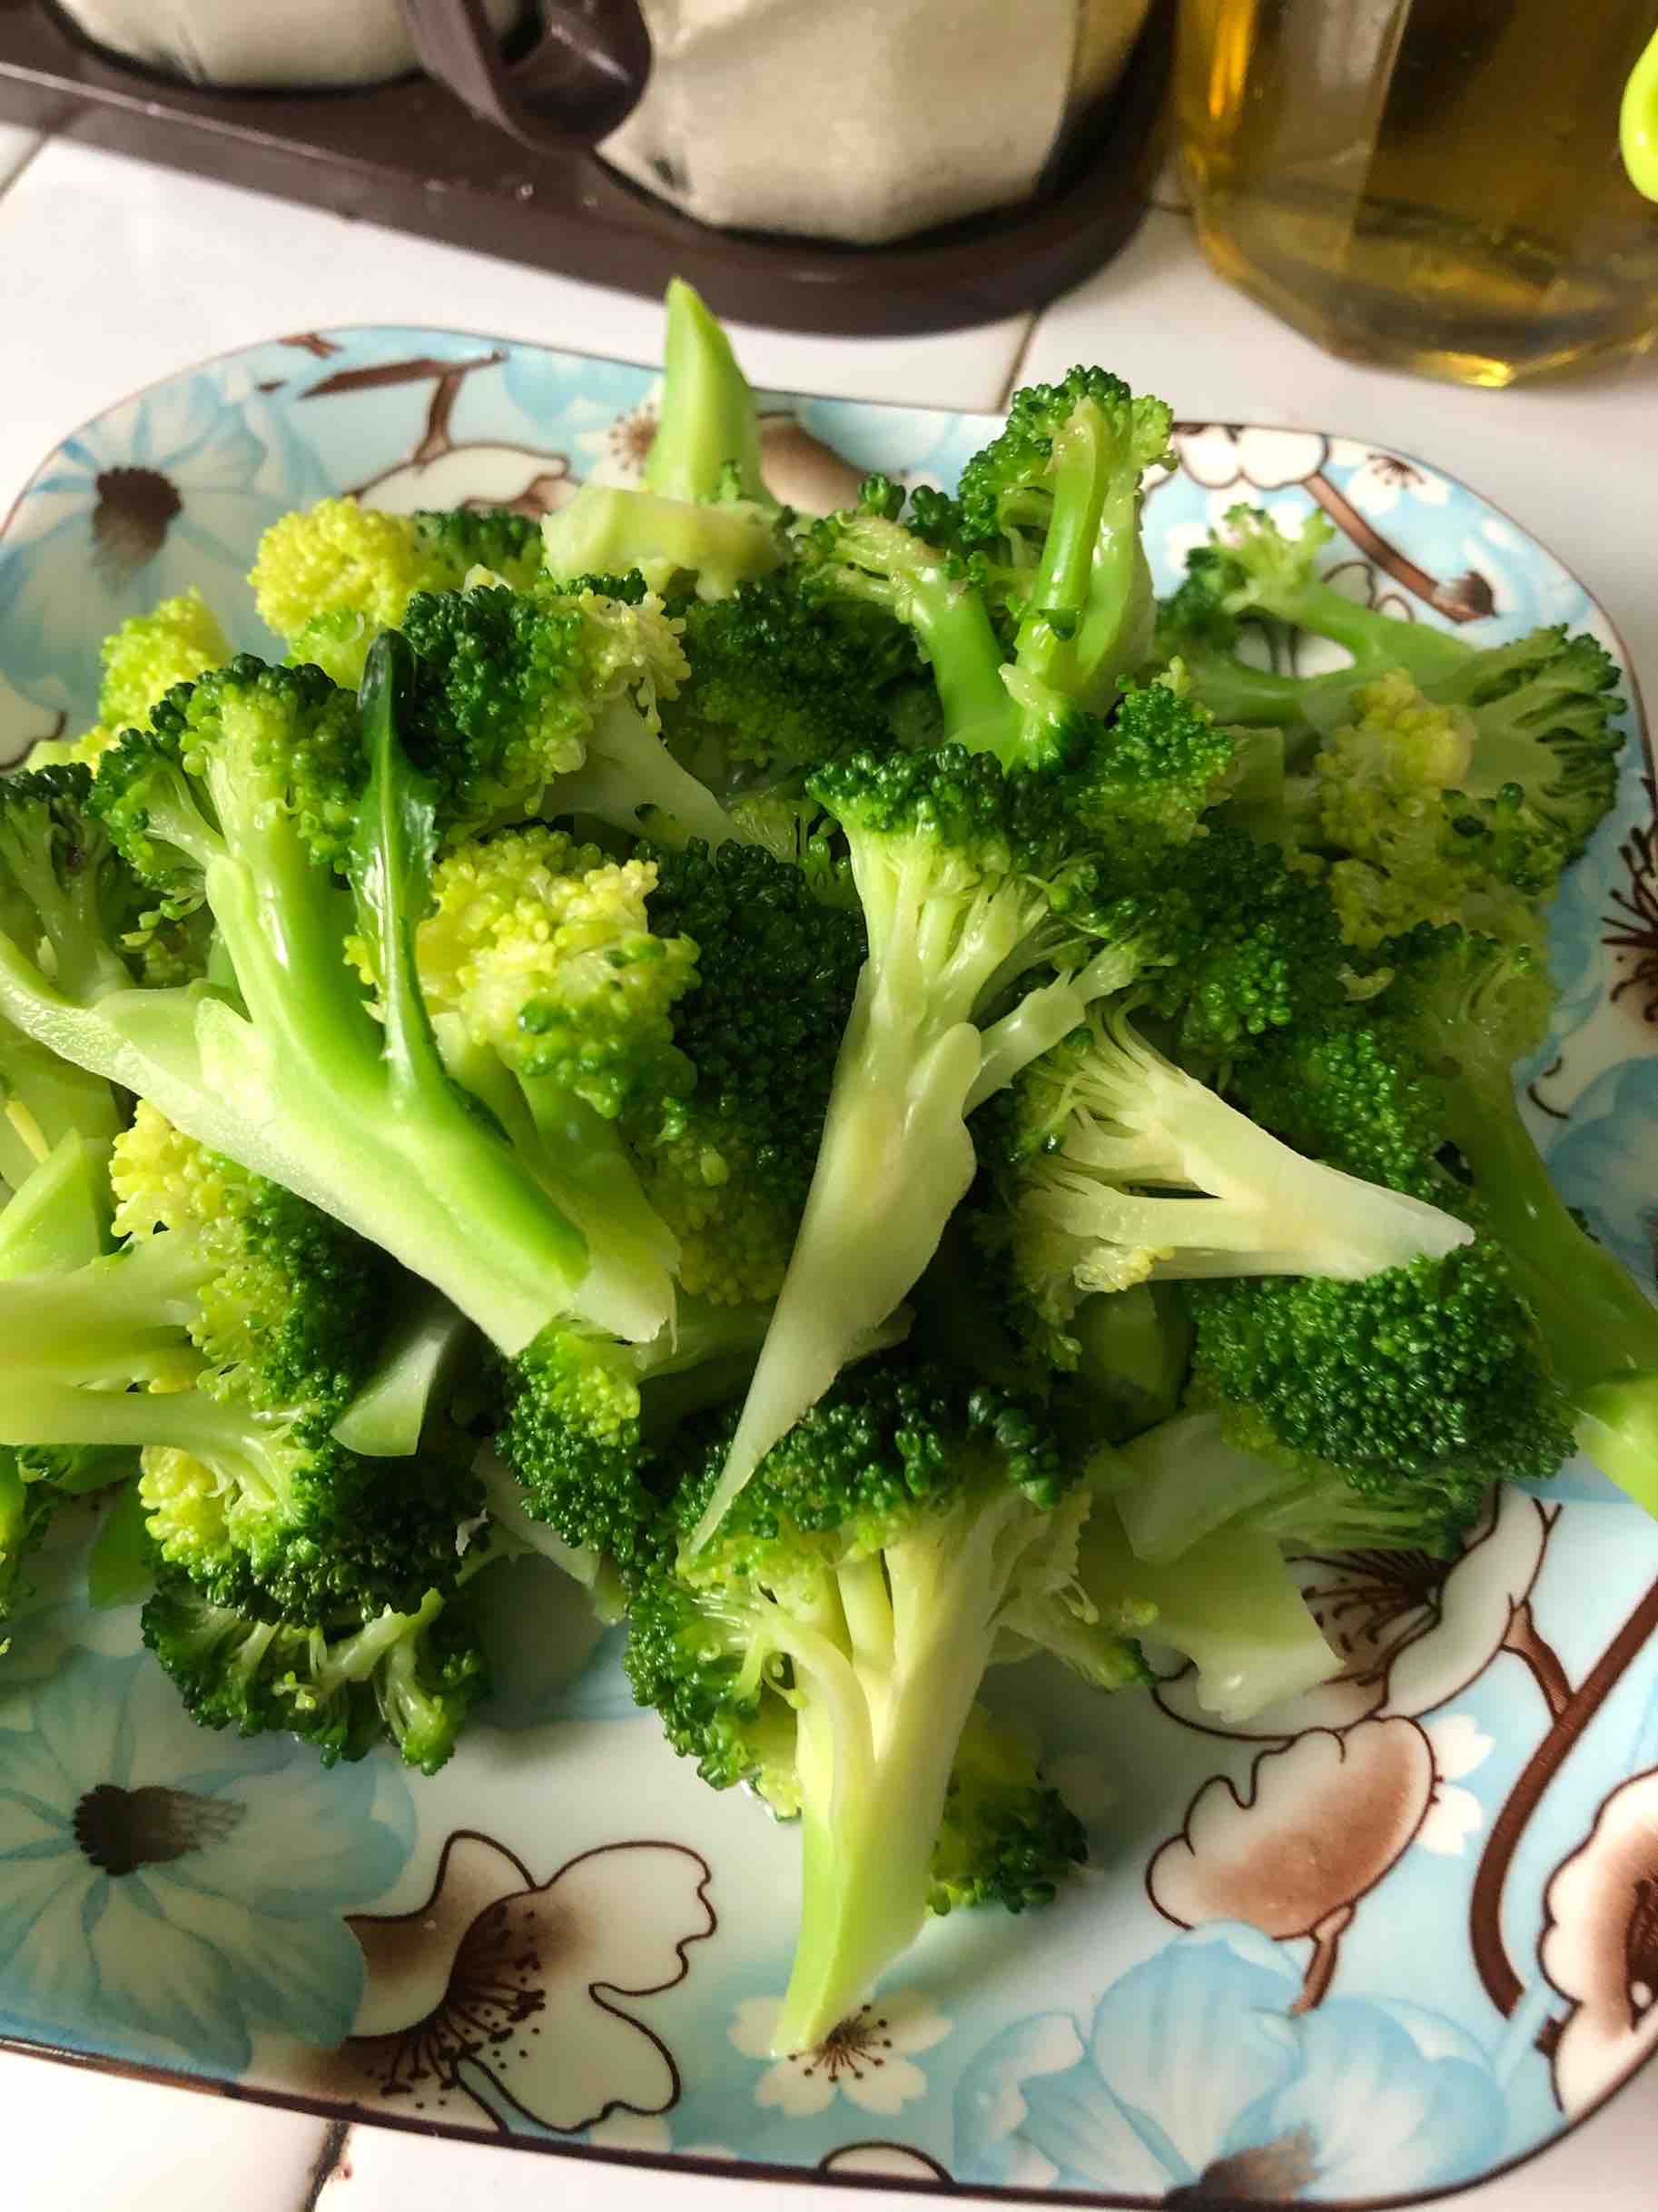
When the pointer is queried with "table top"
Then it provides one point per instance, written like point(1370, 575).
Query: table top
point(116, 275)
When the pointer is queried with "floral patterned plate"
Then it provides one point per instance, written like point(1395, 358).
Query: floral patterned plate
point(1393, 1940)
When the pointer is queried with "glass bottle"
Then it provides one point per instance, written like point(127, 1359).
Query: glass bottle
point(1431, 183)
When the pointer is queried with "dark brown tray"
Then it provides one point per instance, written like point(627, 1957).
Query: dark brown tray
point(410, 155)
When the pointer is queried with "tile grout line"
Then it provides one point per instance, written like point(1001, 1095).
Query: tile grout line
point(1012, 383)
point(330, 2160)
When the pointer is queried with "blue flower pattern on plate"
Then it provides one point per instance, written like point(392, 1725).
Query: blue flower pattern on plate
point(183, 1899)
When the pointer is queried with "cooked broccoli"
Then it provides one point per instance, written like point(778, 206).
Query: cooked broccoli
point(1472, 1006)
point(968, 880)
point(1227, 1601)
point(224, 1338)
point(708, 426)
point(702, 512)
point(1058, 490)
point(829, 1644)
point(1005, 1838)
point(728, 1163)
point(408, 1678)
point(141, 661)
point(1542, 711)
point(578, 1404)
point(1127, 1169)
point(1061, 482)
point(780, 682)
point(1419, 1386)
point(541, 702)
point(329, 578)
point(553, 1002)
point(248, 791)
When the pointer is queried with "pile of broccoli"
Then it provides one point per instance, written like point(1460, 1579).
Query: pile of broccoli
point(888, 1101)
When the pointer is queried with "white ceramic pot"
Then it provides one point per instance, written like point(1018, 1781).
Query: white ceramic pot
point(863, 120)
point(264, 41)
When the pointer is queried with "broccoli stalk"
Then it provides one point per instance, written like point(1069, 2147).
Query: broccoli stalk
point(707, 436)
point(1215, 1479)
point(1471, 1007)
point(702, 511)
point(238, 793)
point(1228, 1603)
point(1542, 707)
point(909, 1531)
point(961, 892)
point(1131, 1170)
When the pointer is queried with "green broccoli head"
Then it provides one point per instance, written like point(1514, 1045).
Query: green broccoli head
point(409, 1679)
point(65, 890)
point(329, 578)
point(778, 681)
point(728, 1163)
point(1009, 484)
point(546, 951)
point(1006, 1837)
point(244, 746)
point(1432, 1376)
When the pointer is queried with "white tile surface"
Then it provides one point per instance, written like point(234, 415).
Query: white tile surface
point(383, 2172)
point(118, 273)
point(17, 144)
point(75, 2139)
point(1575, 463)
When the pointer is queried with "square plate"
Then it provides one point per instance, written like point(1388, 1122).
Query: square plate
point(1398, 1937)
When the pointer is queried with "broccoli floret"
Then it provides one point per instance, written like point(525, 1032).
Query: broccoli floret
point(865, 557)
point(968, 880)
point(1253, 949)
point(1057, 497)
point(1416, 1089)
point(1544, 709)
point(176, 640)
point(1469, 1007)
point(578, 1402)
point(776, 681)
point(526, 704)
point(1063, 480)
point(411, 1679)
point(1005, 1838)
point(727, 1165)
point(553, 1002)
point(830, 1642)
point(249, 791)
point(1427, 1381)
point(329, 578)
point(223, 1338)
point(1126, 1168)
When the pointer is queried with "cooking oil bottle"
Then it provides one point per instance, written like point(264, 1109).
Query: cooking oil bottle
point(1432, 183)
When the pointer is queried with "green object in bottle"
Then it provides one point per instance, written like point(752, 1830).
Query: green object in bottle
point(1638, 122)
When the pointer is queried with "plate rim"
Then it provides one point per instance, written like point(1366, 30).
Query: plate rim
point(345, 2112)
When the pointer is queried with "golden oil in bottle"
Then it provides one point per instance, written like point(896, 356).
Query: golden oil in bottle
point(1430, 183)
